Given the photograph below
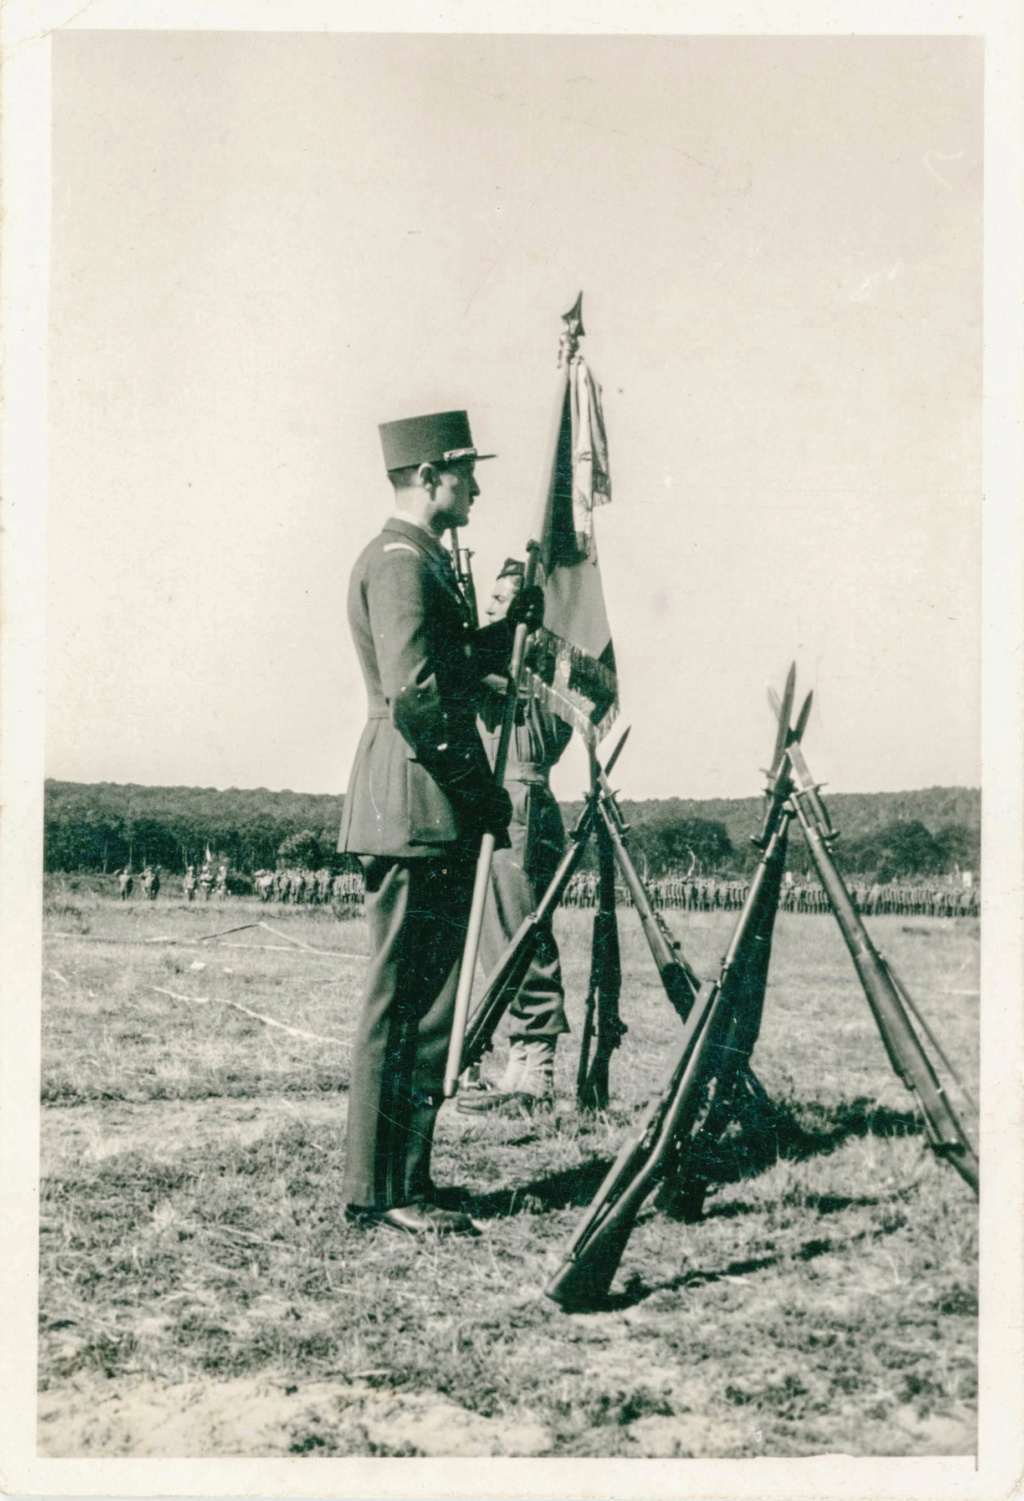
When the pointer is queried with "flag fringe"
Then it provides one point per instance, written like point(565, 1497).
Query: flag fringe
point(569, 682)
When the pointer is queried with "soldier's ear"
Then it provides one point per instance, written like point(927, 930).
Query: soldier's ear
point(428, 477)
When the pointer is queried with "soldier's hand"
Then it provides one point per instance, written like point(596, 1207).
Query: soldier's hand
point(498, 813)
point(527, 608)
point(493, 814)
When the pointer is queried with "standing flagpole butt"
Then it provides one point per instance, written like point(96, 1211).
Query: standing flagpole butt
point(483, 867)
point(465, 988)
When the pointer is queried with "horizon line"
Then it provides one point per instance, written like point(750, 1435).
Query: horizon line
point(624, 797)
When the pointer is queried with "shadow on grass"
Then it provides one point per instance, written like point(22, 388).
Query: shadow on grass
point(766, 1131)
point(570, 1188)
point(762, 1135)
point(637, 1290)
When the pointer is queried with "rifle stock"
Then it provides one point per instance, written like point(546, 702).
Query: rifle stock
point(503, 983)
point(596, 1248)
point(603, 991)
point(679, 980)
point(906, 1052)
point(733, 1088)
point(508, 975)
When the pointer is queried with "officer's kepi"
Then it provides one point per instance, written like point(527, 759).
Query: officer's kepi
point(440, 438)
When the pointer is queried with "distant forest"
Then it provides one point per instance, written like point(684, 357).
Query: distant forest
point(884, 835)
point(100, 827)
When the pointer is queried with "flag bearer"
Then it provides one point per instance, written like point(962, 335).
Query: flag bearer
point(519, 877)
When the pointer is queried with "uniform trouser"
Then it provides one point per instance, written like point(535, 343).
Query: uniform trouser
point(417, 911)
point(519, 878)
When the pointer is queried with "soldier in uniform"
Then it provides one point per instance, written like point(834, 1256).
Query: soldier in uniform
point(519, 878)
point(188, 885)
point(420, 797)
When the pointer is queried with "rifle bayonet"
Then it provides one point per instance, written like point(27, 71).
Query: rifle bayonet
point(618, 749)
point(782, 712)
point(802, 718)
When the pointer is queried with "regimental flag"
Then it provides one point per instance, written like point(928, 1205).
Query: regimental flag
point(571, 664)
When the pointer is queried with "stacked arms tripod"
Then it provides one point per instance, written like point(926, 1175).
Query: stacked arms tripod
point(601, 813)
point(718, 1035)
point(906, 1052)
point(709, 1076)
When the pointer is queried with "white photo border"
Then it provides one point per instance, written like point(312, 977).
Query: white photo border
point(27, 30)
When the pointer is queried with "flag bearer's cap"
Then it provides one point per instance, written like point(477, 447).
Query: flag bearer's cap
point(438, 439)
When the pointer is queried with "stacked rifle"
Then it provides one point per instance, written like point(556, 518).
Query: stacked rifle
point(710, 1086)
point(709, 1083)
point(603, 1027)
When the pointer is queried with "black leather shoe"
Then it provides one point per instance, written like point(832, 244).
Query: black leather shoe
point(414, 1219)
point(451, 1196)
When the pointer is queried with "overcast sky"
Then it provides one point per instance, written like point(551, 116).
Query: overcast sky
point(265, 245)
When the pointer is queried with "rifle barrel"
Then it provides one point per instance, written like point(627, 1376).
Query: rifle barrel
point(505, 979)
point(597, 1245)
point(902, 1044)
point(680, 980)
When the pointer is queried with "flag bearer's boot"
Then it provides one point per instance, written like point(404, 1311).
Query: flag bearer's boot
point(535, 1082)
point(482, 1096)
point(528, 1079)
point(472, 1081)
point(509, 1081)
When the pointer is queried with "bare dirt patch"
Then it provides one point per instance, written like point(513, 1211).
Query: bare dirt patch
point(268, 1416)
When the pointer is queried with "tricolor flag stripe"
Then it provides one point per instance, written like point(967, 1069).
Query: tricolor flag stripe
point(572, 662)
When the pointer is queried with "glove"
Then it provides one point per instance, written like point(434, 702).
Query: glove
point(527, 608)
point(496, 815)
point(489, 813)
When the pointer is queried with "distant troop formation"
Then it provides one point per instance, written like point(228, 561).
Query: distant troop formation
point(715, 894)
point(322, 888)
point(917, 899)
point(318, 888)
point(209, 882)
point(149, 881)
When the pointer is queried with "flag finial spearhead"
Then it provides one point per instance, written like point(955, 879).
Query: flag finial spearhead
point(572, 330)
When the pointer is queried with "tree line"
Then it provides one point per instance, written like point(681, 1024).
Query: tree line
point(101, 827)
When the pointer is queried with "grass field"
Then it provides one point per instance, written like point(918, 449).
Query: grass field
point(202, 1295)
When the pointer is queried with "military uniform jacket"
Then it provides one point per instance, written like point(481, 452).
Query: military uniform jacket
point(421, 774)
point(538, 740)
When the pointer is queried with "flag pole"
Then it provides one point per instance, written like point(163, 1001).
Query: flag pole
point(572, 330)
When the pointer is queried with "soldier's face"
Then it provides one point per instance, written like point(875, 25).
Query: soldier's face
point(502, 595)
point(456, 491)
